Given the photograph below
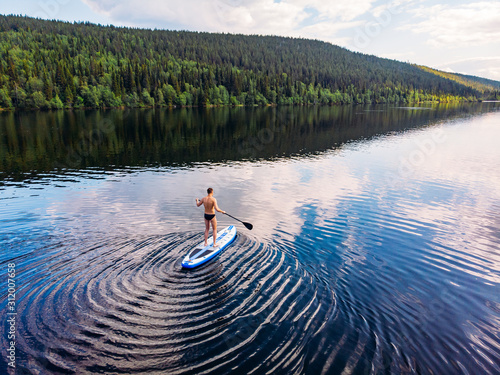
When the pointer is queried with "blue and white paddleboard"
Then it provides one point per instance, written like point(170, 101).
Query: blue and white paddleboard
point(202, 254)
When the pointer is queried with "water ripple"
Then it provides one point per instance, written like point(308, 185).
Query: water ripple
point(127, 306)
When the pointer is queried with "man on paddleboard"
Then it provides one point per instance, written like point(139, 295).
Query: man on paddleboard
point(210, 204)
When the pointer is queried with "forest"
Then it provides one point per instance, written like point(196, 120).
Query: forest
point(55, 65)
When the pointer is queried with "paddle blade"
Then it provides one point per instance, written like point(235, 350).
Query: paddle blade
point(248, 225)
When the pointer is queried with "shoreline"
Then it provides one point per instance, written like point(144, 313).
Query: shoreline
point(248, 106)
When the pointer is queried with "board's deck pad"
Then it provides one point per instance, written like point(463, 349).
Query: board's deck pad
point(205, 253)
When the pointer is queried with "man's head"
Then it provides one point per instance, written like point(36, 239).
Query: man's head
point(210, 190)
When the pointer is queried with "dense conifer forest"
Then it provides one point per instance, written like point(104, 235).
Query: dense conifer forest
point(53, 65)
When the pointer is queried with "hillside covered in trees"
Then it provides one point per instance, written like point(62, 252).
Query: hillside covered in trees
point(482, 85)
point(53, 64)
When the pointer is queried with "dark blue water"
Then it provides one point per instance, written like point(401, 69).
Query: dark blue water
point(375, 248)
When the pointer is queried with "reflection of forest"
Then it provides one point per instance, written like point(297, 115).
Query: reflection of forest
point(44, 141)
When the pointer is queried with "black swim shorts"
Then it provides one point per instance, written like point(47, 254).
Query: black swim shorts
point(209, 216)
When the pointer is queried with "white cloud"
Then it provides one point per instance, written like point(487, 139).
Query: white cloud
point(326, 31)
point(370, 26)
point(305, 18)
point(459, 25)
point(448, 70)
point(345, 10)
point(488, 67)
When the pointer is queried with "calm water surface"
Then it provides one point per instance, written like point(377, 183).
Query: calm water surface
point(375, 249)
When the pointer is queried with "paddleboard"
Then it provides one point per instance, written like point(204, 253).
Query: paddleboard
point(202, 254)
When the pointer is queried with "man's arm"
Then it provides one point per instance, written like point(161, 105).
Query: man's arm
point(199, 202)
point(217, 207)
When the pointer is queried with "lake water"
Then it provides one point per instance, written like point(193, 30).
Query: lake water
point(375, 248)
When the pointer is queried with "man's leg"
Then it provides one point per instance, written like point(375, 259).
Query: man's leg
point(214, 227)
point(207, 228)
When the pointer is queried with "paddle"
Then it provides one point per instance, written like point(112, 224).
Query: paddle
point(248, 225)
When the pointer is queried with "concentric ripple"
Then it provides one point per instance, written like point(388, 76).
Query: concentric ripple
point(127, 306)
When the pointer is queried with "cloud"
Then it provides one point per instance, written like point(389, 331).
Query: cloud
point(488, 67)
point(354, 24)
point(344, 10)
point(305, 18)
point(459, 25)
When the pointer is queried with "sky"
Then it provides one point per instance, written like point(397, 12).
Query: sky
point(451, 35)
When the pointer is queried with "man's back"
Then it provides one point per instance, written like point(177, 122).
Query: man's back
point(209, 202)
